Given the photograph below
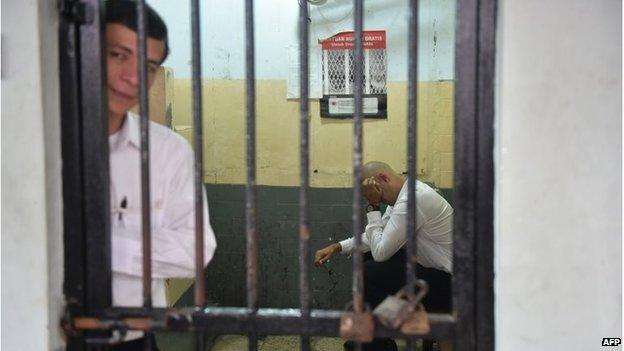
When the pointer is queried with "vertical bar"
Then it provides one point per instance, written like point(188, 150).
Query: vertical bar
point(250, 203)
point(200, 282)
point(358, 275)
point(412, 132)
point(466, 88)
point(94, 138)
point(198, 146)
point(145, 174)
point(72, 161)
point(71, 147)
point(484, 233)
point(304, 225)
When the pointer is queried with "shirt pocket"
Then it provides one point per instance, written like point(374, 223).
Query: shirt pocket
point(132, 218)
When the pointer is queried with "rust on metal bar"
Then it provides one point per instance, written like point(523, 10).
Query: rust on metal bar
point(139, 323)
point(357, 326)
point(89, 323)
point(92, 323)
point(238, 320)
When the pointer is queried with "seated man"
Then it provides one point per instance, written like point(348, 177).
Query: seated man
point(171, 172)
point(385, 237)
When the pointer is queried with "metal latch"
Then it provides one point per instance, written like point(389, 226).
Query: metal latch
point(396, 310)
point(356, 326)
point(417, 323)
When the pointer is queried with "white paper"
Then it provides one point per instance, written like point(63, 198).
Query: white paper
point(344, 105)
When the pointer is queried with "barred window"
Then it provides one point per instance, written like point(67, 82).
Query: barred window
point(338, 77)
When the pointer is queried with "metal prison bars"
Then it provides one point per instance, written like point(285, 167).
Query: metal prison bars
point(93, 313)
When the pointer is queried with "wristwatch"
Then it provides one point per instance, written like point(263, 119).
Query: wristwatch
point(371, 208)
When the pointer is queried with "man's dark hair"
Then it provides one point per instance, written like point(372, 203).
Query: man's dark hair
point(125, 12)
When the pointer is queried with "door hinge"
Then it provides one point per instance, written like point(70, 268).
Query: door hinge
point(76, 11)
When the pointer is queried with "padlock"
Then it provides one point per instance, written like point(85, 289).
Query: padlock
point(357, 326)
point(417, 323)
point(393, 310)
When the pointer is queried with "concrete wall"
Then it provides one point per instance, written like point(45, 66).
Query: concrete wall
point(223, 39)
point(331, 141)
point(559, 191)
point(277, 118)
point(32, 249)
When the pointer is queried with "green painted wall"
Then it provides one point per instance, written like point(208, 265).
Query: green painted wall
point(278, 251)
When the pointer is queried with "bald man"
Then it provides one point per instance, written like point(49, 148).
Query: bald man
point(385, 236)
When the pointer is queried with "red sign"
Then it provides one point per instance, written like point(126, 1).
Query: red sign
point(373, 39)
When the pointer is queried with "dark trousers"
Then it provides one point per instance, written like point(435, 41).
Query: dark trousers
point(136, 344)
point(386, 278)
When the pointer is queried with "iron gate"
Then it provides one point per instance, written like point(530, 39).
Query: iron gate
point(90, 318)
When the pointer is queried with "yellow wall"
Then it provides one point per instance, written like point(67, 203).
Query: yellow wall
point(330, 140)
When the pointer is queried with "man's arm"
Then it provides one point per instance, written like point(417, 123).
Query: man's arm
point(173, 244)
point(348, 245)
point(386, 238)
point(323, 255)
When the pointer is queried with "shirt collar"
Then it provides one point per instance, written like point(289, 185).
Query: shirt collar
point(403, 189)
point(132, 123)
point(129, 132)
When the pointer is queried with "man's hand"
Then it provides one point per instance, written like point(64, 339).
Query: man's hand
point(321, 256)
point(371, 191)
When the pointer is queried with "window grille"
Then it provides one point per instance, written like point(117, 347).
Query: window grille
point(338, 66)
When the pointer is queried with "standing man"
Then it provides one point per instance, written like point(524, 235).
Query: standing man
point(171, 171)
point(385, 237)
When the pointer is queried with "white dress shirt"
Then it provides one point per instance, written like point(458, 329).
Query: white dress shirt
point(172, 212)
point(384, 236)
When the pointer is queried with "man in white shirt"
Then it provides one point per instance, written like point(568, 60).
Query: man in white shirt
point(385, 236)
point(171, 173)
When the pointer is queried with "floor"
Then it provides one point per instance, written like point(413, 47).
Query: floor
point(180, 341)
point(282, 343)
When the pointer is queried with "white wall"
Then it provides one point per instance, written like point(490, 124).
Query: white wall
point(559, 215)
point(32, 248)
point(223, 38)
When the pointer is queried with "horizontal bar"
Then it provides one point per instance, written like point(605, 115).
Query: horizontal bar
point(235, 320)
